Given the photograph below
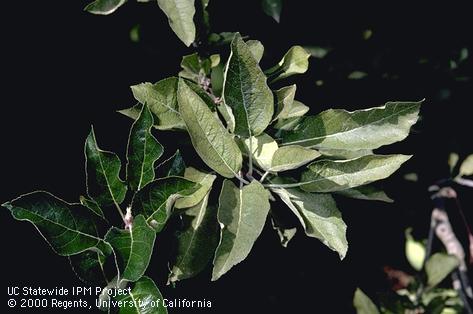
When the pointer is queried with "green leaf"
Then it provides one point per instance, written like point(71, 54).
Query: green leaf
point(216, 78)
point(453, 160)
point(336, 175)
point(144, 298)
point(263, 147)
point(102, 172)
point(245, 91)
point(287, 124)
point(212, 142)
point(361, 129)
point(415, 251)
point(466, 168)
point(173, 166)
point(196, 241)
point(104, 7)
point(292, 157)
point(366, 192)
point(438, 266)
point(68, 228)
point(285, 234)
point(344, 154)
point(363, 303)
point(241, 214)
point(194, 67)
point(142, 152)
point(272, 8)
point(319, 216)
point(204, 179)
point(155, 200)
point(180, 14)
point(161, 99)
point(295, 61)
point(133, 247)
point(256, 48)
point(286, 106)
point(357, 75)
point(89, 267)
point(92, 205)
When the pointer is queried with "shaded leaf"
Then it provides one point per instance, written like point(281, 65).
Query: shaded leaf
point(180, 14)
point(285, 234)
point(173, 166)
point(361, 129)
point(284, 100)
point(102, 174)
point(363, 303)
point(104, 7)
point(196, 242)
point(68, 228)
point(142, 152)
point(438, 266)
point(89, 267)
point(133, 247)
point(92, 205)
point(295, 61)
point(272, 8)
point(366, 192)
point(245, 91)
point(156, 199)
point(142, 299)
point(287, 124)
point(204, 179)
point(242, 215)
point(319, 216)
point(336, 175)
point(211, 141)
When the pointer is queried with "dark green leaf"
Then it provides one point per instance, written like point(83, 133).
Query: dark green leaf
point(180, 14)
point(173, 166)
point(102, 172)
point(196, 241)
point(155, 201)
point(144, 298)
point(104, 7)
point(89, 267)
point(361, 129)
point(242, 215)
point(92, 205)
point(68, 228)
point(142, 152)
point(212, 142)
point(245, 91)
point(272, 8)
point(133, 247)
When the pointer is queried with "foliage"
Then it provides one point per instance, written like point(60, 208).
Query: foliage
point(259, 145)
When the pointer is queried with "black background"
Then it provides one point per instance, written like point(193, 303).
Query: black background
point(64, 70)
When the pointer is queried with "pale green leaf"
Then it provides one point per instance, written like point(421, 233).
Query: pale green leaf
point(180, 14)
point(453, 160)
point(263, 147)
point(357, 75)
point(144, 298)
point(102, 173)
point(272, 8)
point(361, 129)
point(363, 303)
point(287, 124)
point(211, 141)
point(256, 48)
point(345, 154)
point(104, 7)
point(295, 61)
point(438, 266)
point(284, 100)
point(245, 91)
point(155, 200)
point(143, 151)
point(366, 192)
point(197, 241)
point(285, 234)
point(466, 168)
point(242, 215)
point(291, 157)
point(204, 179)
point(319, 216)
point(336, 175)
point(68, 228)
point(414, 250)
